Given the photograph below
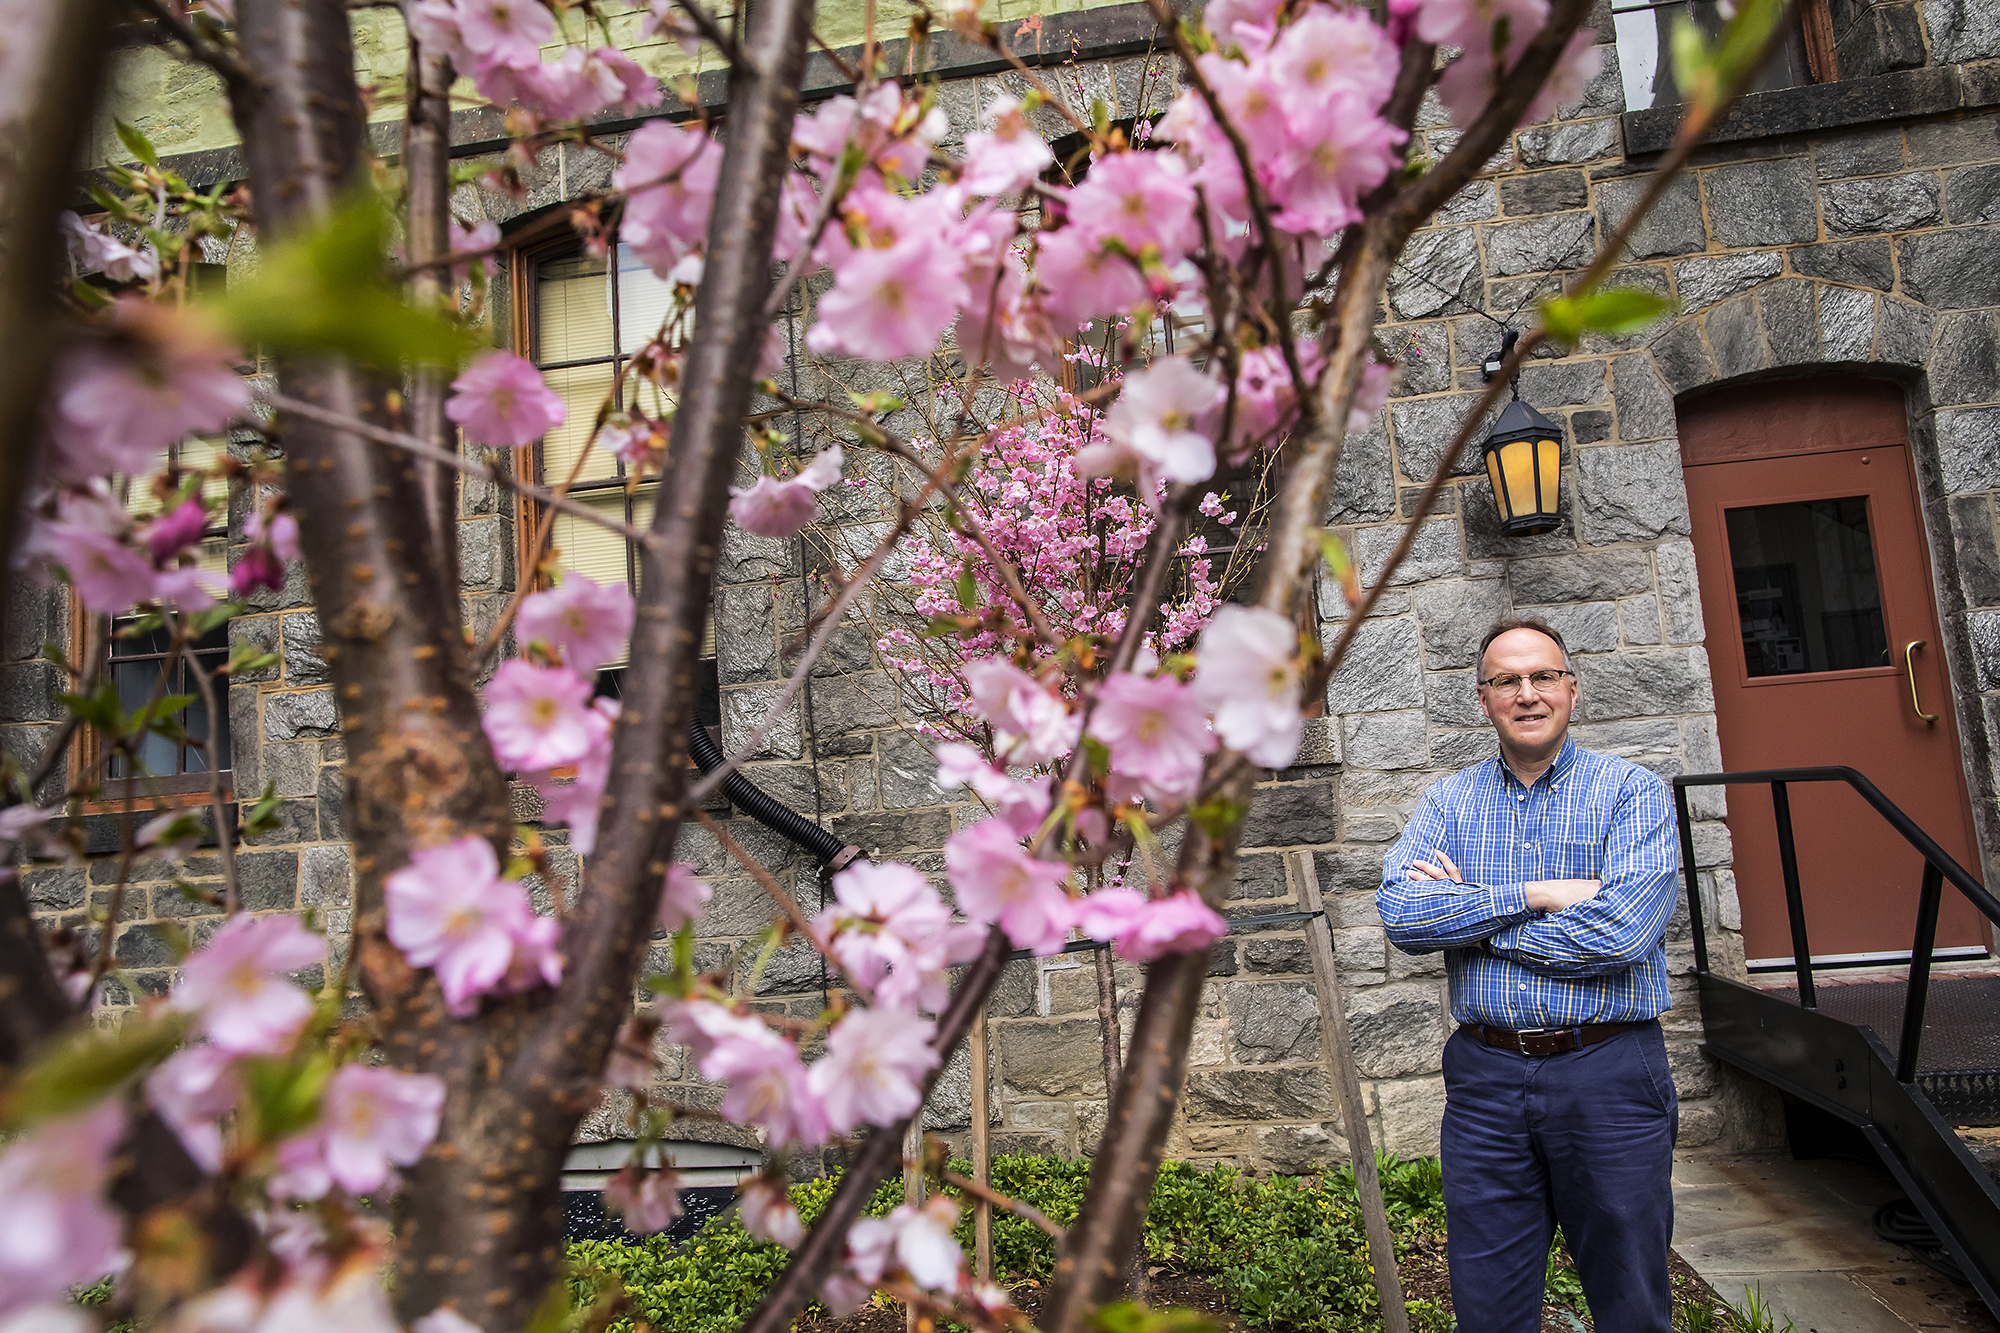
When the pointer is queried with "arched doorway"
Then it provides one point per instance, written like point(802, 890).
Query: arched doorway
point(1824, 648)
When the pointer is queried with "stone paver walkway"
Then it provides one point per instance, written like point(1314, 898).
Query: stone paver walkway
point(1800, 1233)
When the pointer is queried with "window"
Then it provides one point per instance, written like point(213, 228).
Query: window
point(588, 315)
point(140, 657)
point(1645, 46)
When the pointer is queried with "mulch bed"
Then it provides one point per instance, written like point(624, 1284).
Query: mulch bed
point(1423, 1272)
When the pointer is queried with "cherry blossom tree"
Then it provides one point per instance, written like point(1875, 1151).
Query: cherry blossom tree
point(215, 1142)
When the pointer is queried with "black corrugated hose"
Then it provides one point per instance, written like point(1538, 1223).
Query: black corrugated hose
point(1901, 1223)
point(761, 806)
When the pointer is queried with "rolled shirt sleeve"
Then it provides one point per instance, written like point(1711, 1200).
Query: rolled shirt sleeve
point(1426, 915)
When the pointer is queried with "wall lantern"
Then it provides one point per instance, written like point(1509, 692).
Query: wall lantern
point(1524, 462)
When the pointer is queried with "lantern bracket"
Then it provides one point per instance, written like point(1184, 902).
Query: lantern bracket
point(1497, 360)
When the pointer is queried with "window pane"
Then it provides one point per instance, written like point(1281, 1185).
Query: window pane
point(1806, 592)
point(197, 451)
point(573, 310)
point(583, 390)
point(643, 301)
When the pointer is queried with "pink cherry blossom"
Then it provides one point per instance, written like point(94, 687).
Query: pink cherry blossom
point(588, 623)
point(236, 987)
point(1156, 731)
point(1109, 913)
point(915, 1241)
point(1178, 923)
point(1007, 154)
point(192, 1089)
point(647, 1200)
point(537, 717)
point(768, 1085)
point(997, 881)
point(449, 910)
point(1023, 805)
point(175, 531)
point(580, 802)
point(109, 576)
point(893, 936)
point(1318, 182)
point(257, 568)
point(1080, 279)
point(872, 1073)
point(371, 1121)
point(1221, 16)
point(96, 251)
point(768, 1212)
point(505, 32)
point(1371, 396)
point(890, 303)
point(115, 410)
point(1036, 725)
point(772, 508)
point(24, 821)
point(444, 1319)
point(1161, 422)
point(434, 24)
point(668, 17)
point(671, 172)
point(466, 240)
point(1142, 199)
point(1248, 679)
point(582, 83)
point(682, 899)
point(500, 400)
point(1330, 55)
point(56, 1230)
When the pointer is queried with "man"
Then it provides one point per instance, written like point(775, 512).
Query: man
point(1547, 876)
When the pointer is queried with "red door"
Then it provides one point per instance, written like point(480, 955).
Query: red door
point(1823, 645)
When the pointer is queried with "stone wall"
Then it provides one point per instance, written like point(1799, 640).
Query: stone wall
point(1864, 249)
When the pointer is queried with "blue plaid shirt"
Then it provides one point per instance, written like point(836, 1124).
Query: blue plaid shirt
point(1590, 816)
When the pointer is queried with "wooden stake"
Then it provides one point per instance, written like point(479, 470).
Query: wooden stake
point(982, 1158)
point(1340, 1063)
point(913, 1187)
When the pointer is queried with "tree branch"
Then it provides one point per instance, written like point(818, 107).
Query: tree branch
point(427, 166)
point(232, 71)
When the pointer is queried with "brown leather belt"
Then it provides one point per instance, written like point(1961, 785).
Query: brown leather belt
point(1546, 1041)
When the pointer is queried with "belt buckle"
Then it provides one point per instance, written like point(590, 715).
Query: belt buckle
point(1522, 1035)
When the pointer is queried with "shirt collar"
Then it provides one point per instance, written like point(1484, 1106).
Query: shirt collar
point(1552, 774)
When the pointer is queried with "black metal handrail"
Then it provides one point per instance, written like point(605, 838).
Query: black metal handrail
point(1939, 866)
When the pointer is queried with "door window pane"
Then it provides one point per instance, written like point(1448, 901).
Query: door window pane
point(144, 664)
point(1806, 592)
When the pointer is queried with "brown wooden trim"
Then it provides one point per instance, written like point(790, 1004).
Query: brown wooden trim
point(1816, 25)
point(1822, 415)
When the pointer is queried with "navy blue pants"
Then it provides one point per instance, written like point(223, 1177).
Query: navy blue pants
point(1583, 1140)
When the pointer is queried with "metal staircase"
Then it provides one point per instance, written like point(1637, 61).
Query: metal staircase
point(1903, 1063)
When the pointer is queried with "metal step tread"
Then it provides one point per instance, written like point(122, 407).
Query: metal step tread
point(1959, 1061)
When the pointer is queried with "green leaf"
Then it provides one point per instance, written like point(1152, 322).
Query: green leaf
point(81, 1068)
point(968, 591)
point(1344, 572)
point(263, 816)
point(100, 710)
point(1217, 818)
point(213, 619)
point(249, 657)
point(1617, 311)
point(331, 290)
point(282, 1097)
point(136, 143)
point(1129, 1317)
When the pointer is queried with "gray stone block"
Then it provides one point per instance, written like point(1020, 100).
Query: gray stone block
point(326, 877)
point(1436, 553)
point(1639, 620)
point(1424, 352)
point(1969, 449)
point(1961, 29)
point(1862, 153)
point(29, 690)
point(1706, 279)
point(1856, 263)
point(1277, 955)
point(1847, 323)
point(1461, 749)
point(1586, 627)
point(1646, 684)
point(1966, 367)
point(1397, 1029)
point(299, 635)
point(1485, 541)
point(1382, 670)
point(1790, 329)
point(1736, 336)
point(1949, 143)
point(1953, 269)
point(1972, 195)
point(1585, 576)
point(1674, 225)
point(1384, 740)
point(1683, 359)
point(1455, 616)
point(1906, 333)
point(1592, 426)
point(289, 716)
point(1544, 192)
point(1438, 267)
point(908, 771)
point(1984, 629)
point(1973, 544)
point(1364, 483)
point(1060, 1059)
point(746, 644)
point(1291, 814)
point(743, 711)
point(1645, 405)
point(1568, 141)
point(1425, 427)
point(1550, 385)
point(1559, 241)
point(1295, 1092)
point(1259, 877)
point(1451, 698)
point(1762, 203)
point(1477, 202)
point(1272, 1022)
point(1880, 204)
point(258, 634)
point(1630, 492)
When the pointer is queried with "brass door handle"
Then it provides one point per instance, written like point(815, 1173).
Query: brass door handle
point(1910, 670)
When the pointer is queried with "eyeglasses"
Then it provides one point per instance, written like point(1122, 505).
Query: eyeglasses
point(1509, 683)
